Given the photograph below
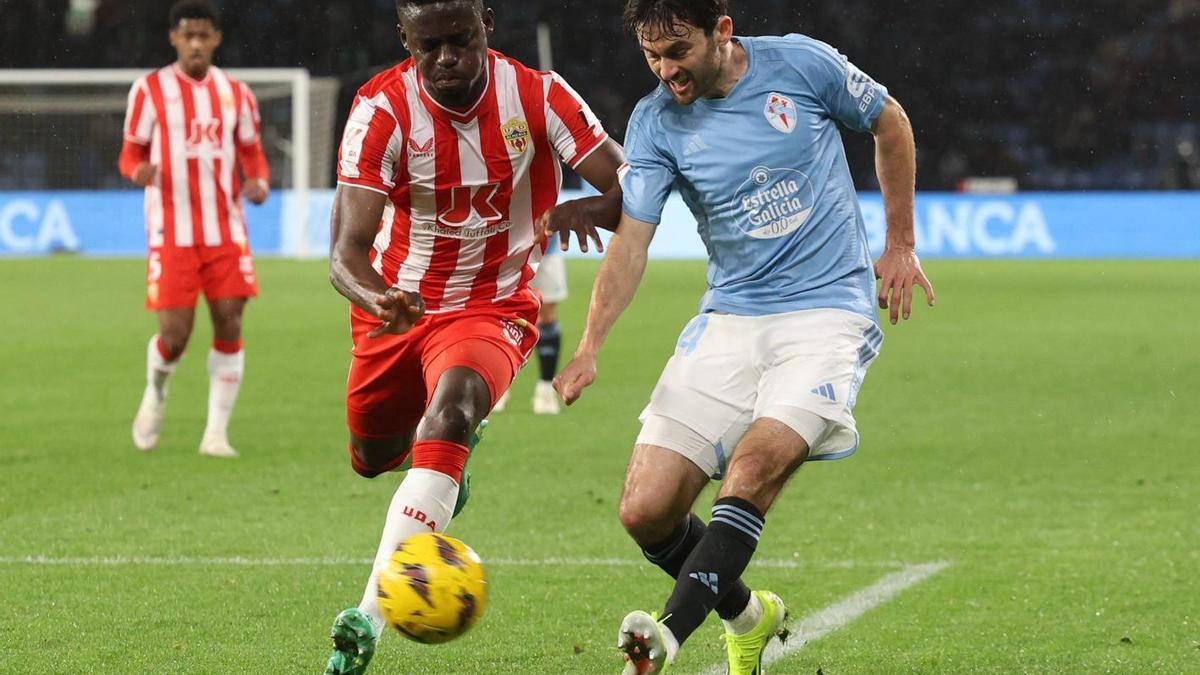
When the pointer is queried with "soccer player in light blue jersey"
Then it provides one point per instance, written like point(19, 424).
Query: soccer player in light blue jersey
point(765, 377)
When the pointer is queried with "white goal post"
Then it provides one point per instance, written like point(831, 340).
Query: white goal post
point(60, 129)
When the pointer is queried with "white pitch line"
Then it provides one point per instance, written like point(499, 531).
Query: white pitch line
point(823, 622)
point(250, 561)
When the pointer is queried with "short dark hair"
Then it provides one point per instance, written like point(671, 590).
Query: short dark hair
point(663, 15)
point(194, 9)
point(401, 5)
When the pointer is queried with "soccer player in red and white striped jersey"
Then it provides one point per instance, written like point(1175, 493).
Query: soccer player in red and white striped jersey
point(188, 129)
point(447, 163)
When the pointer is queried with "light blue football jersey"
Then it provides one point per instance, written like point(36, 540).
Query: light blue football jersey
point(764, 172)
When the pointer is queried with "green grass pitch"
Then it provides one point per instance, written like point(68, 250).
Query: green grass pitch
point(1038, 430)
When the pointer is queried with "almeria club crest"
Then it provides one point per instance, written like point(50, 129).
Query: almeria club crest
point(780, 111)
point(516, 135)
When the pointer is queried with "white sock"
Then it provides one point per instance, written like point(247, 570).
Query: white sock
point(422, 503)
point(158, 370)
point(224, 380)
point(746, 621)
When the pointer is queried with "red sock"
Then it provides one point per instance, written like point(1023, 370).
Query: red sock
point(227, 346)
point(442, 456)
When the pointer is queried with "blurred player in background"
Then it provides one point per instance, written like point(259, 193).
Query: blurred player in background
point(551, 282)
point(446, 163)
point(766, 376)
point(189, 129)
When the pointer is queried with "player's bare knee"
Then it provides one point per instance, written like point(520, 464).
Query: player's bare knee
point(648, 521)
point(175, 338)
point(458, 406)
point(453, 421)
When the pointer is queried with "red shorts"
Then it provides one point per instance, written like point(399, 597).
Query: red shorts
point(392, 377)
point(175, 276)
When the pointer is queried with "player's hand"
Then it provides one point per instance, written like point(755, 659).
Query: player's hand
point(899, 272)
point(144, 174)
point(578, 216)
point(399, 311)
point(256, 190)
point(579, 373)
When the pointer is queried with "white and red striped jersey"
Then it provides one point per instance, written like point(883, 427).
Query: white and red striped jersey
point(464, 188)
point(196, 131)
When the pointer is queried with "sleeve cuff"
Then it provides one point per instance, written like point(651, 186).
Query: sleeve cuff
point(645, 217)
point(580, 157)
point(881, 94)
point(383, 190)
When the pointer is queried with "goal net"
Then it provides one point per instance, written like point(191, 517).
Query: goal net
point(62, 130)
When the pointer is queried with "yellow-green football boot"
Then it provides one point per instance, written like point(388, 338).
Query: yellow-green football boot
point(746, 651)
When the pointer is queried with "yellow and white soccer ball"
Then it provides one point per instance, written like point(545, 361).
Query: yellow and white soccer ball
point(433, 588)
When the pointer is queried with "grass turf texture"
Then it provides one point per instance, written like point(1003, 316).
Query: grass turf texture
point(1037, 429)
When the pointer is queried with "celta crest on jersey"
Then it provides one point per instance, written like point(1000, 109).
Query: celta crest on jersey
point(780, 111)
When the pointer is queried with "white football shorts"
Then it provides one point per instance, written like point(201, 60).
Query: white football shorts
point(551, 277)
point(730, 370)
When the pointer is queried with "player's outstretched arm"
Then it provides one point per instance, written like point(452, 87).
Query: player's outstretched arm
point(584, 216)
point(616, 282)
point(356, 216)
point(898, 269)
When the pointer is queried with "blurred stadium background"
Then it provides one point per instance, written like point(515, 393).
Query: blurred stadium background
point(1057, 95)
point(1026, 96)
point(1018, 95)
point(1036, 431)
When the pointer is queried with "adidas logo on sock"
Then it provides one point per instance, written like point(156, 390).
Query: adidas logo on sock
point(825, 391)
point(707, 578)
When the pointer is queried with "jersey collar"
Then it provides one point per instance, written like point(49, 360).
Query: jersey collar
point(188, 78)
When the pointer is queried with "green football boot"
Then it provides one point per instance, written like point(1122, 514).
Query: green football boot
point(746, 651)
point(354, 638)
point(464, 487)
